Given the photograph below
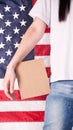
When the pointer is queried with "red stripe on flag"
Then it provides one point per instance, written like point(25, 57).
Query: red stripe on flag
point(17, 94)
point(22, 116)
point(47, 30)
point(42, 50)
point(4, 98)
point(33, 2)
point(48, 70)
point(39, 98)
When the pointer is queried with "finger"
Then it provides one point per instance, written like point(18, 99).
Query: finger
point(6, 90)
point(13, 96)
point(8, 95)
point(5, 86)
point(12, 86)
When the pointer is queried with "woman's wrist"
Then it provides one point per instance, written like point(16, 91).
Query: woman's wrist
point(11, 66)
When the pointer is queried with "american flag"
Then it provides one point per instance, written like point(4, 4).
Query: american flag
point(14, 21)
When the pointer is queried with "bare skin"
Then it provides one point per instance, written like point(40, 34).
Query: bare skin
point(28, 42)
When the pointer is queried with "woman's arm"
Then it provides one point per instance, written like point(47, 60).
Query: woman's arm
point(33, 34)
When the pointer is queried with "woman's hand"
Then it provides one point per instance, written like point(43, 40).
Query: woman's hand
point(8, 83)
point(33, 34)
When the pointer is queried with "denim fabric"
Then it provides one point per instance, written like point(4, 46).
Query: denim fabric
point(59, 107)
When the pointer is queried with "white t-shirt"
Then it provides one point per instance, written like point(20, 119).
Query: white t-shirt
point(61, 38)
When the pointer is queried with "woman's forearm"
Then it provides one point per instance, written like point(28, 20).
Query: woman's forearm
point(30, 38)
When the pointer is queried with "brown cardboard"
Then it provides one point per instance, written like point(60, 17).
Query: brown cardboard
point(32, 78)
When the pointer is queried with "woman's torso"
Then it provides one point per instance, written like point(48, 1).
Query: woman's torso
point(61, 40)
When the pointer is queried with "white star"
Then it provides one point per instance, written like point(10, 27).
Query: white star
point(15, 15)
point(7, 8)
point(9, 52)
point(16, 30)
point(23, 23)
point(2, 45)
point(1, 31)
point(16, 45)
point(8, 23)
point(1, 16)
point(22, 8)
point(8, 38)
point(2, 60)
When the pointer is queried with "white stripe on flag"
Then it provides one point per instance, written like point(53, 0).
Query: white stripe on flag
point(45, 39)
point(22, 106)
point(22, 126)
point(46, 60)
point(1, 84)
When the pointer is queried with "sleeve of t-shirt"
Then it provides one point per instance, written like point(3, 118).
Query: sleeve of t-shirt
point(41, 9)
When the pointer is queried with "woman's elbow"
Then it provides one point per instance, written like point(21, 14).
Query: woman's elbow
point(38, 26)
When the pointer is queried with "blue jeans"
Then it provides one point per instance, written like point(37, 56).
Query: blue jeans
point(59, 106)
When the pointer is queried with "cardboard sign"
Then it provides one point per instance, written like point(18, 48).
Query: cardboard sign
point(32, 78)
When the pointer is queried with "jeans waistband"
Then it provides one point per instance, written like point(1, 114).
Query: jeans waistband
point(63, 87)
point(70, 82)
